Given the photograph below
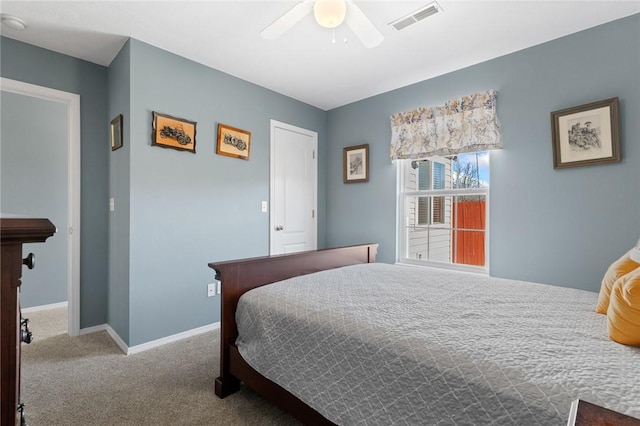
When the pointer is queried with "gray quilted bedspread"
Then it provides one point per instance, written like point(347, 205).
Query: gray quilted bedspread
point(397, 345)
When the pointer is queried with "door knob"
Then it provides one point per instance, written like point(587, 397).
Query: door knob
point(279, 228)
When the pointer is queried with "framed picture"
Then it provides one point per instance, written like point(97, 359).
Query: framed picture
point(355, 164)
point(586, 134)
point(233, 142)
point(172, 132)
point(116, 133)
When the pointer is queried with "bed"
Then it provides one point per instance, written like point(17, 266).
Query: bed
point(339, 339)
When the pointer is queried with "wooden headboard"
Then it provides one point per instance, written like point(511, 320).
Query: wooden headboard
point(240, 276)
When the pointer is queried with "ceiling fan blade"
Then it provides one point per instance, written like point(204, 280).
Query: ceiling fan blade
point(362, 27)
point(288, 20)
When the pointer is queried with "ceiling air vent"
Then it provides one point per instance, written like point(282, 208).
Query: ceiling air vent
point(418, 15)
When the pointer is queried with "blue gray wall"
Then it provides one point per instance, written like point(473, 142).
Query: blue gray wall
point(188, 210)
point(561, 227)
point(119, 84)
point(33, 182)
point(43, 67)
point(174, 211)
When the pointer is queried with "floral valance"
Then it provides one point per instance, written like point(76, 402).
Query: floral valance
point(465, 124)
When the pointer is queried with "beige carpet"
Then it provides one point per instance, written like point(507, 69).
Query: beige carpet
point(87, 380)
point(48, 323)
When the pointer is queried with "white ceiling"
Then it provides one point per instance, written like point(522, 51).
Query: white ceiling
point(304, 64)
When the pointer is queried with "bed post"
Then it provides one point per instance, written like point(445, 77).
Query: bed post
point(227, 384)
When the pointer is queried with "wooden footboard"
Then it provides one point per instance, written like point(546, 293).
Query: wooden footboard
point(240, 276)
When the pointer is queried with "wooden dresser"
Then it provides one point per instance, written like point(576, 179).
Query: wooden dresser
point(15, 232)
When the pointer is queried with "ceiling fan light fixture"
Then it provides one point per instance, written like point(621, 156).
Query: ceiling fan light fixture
point(329, 13)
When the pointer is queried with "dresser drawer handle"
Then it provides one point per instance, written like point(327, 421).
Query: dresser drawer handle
point(26, 336)
point(30, 261)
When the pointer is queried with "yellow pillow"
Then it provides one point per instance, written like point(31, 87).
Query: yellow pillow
point(620, 267)
point(623, 315)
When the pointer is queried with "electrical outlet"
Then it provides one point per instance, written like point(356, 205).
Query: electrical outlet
point(211, 289)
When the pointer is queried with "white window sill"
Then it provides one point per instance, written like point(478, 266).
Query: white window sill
point(440, 265)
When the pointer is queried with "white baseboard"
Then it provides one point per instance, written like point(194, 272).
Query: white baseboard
point(116, 338)
point(45, 307)
point(94, 329)
point(173, 338)
point(149, 345)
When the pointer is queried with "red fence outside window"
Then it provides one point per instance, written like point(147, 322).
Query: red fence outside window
point(468, 245)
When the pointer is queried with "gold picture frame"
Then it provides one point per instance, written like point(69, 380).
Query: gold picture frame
point(173, 132)
point(586, 134)
point(116, 132)
point(233, 142)
point(355, 164)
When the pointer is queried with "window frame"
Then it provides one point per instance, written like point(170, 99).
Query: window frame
point(403, 218)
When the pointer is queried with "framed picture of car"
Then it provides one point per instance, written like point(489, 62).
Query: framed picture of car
point(233, 142)
point(173, 132)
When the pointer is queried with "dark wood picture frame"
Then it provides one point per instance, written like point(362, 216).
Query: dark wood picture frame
point(233, 142)
point(116, 132)
point(355, 164)
point(586, 134)
point(173, 132)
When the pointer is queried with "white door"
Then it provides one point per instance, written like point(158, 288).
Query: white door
point(294, 177)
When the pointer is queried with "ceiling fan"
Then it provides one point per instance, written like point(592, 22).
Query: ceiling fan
point(329, 14)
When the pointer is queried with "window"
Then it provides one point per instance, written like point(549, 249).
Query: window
point(444, 210)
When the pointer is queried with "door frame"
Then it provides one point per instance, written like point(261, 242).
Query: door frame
point(72, 101)
point(314, 135)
